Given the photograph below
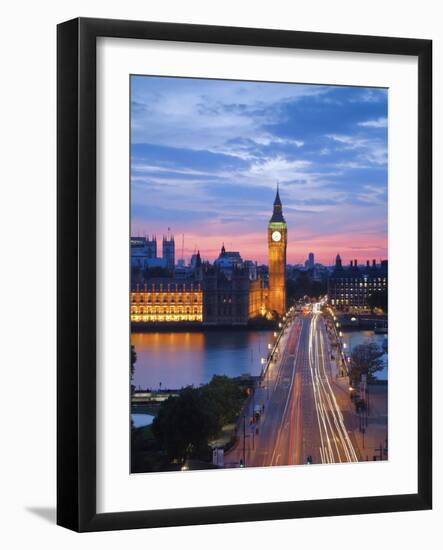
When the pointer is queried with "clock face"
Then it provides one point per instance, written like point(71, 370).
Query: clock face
point(276, 236)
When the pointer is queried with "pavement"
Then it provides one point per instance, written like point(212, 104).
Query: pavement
point(369, 434)
point(302, 400)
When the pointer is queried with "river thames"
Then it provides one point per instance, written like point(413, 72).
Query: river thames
point(173, 360)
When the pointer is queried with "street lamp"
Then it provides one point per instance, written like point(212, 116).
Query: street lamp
point(263, 361)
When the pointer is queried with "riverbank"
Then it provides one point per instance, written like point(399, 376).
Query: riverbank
point(196, 326)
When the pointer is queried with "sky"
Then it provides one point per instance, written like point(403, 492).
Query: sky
point(206, 156)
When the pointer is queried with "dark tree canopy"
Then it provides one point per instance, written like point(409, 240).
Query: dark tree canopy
point(366, 359)
point(185, 424)
point(133, 360)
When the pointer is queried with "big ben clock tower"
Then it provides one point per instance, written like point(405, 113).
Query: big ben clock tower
point(277, 240)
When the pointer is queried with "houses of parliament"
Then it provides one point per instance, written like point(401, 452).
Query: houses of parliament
point(228, 292)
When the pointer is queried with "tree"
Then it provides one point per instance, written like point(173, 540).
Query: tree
point(132, 365)
point(185, 423)
point(226, 398)
point(366, 359)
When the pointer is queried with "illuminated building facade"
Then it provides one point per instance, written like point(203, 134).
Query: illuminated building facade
point(258, 299)
point(277, 242)
point(351, 288)
point(215, 299)
point(164, 303)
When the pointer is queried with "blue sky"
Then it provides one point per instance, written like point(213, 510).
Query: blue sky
point(206, 156)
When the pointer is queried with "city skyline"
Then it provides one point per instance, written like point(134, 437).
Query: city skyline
point(178, 257)
point(209, 153)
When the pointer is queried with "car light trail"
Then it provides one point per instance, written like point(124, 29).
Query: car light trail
point(329, 417)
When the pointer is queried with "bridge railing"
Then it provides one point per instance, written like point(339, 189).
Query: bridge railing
point(274, 348)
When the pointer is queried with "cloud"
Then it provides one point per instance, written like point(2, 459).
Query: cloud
point(352, 142)
point(370, 95)
point(279, 168)
point(206, 114)
point(372, 195)
point(368, 151)
point(381, 122)
point(273, 140)
point(149, 168)
point(351, 165)
point(206, 156)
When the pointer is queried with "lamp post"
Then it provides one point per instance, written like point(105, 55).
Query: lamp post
point(263, 362)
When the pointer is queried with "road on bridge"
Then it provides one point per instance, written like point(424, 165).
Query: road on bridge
point(302, 418)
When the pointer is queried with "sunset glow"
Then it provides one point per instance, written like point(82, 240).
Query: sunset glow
point(207, 154)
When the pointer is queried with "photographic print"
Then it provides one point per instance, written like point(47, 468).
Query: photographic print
point(258, 273)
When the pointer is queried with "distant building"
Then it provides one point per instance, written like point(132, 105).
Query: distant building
point(144, 253)
point(351, 288)
point(229, 292)
point(168, 251)
point(144, 245)
point(310, 263)
point(228, 260)
point(144, 256)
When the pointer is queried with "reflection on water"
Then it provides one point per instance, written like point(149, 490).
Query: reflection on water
point(172, 360)
point(354, 338)
point(141, 419)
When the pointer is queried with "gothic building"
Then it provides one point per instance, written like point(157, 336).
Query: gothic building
point(230, 292)
point(277, 242)
point(168, 251)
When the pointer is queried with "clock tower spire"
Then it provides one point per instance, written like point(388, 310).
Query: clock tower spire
point(277, 241)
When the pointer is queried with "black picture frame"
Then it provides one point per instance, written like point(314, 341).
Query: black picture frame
point(76, 280)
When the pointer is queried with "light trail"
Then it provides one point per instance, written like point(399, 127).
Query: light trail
point(329, 416)
point(283, 359)
point(338, 417)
